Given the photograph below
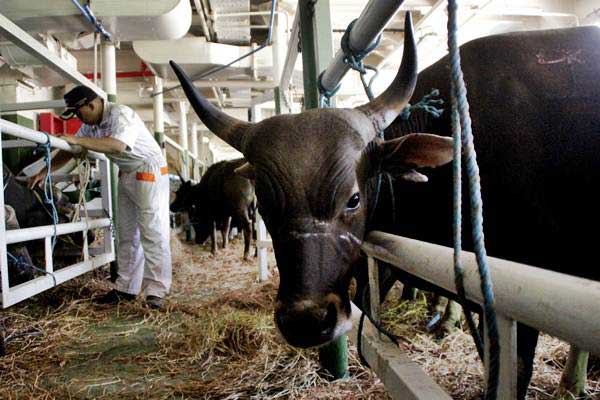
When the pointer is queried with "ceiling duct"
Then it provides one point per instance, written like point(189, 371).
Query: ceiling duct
point(125, 20)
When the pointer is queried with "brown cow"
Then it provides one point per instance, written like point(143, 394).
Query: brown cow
point(311, 170)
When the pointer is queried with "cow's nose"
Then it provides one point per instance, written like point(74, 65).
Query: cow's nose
point(307, 323)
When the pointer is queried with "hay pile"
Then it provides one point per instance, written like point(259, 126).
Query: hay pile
point(216, 340)
point(453, 362)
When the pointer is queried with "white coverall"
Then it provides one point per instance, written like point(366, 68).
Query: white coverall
point(143, 204)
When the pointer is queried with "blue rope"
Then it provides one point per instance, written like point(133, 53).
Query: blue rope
point(427, 103)
point(48, 194)
point(461, 105)
point(457, 226)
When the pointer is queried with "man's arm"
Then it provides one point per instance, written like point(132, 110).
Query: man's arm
point(101, 145)
point(58, 161)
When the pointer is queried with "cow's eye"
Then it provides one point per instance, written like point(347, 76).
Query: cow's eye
point(353, 203)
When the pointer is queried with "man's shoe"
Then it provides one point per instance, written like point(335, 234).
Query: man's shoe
point(114, 297)
point(155, 302)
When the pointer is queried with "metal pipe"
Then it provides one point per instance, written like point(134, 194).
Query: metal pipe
point(177, 147)
point(194, 135)
point(203, 23)
point(558, 304)
point(32, 105)
point(37, 285)
point(159, 112)
point(371, 22)
point(95, 58)
point(40, 232)
point(87, 13)
point(41, 138)
point(183, 138)
point(109, 70)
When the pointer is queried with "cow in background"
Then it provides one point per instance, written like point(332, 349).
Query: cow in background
point(221, 199)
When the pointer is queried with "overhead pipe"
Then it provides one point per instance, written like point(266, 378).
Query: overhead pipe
point(86, 11)
point(369, 25)
point(222, 67)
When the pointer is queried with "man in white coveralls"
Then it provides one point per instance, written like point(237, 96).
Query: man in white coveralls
point(144, 253)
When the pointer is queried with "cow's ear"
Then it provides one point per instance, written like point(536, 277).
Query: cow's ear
point(401, 156)
point(247, 171)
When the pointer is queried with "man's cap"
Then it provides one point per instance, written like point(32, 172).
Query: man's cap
point(75, 98)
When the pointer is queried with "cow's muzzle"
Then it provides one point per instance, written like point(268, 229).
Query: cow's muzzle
point(307, 323)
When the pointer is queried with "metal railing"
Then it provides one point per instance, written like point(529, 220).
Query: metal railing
point(15, 294)
point(558, 304)
point(197, 166)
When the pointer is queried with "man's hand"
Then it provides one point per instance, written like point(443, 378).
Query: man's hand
point(37, 179)
point(69, 139)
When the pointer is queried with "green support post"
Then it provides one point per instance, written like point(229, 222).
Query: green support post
point(159, 137)
point(277, 96)
point(309, 54)
point(315, 20)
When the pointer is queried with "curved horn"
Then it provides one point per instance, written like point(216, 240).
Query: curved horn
point(230, 129)
point(384, 109)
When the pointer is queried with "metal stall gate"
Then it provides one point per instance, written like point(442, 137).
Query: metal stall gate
point(97, 219)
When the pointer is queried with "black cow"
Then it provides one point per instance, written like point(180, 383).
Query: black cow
point(221, 199)
point(31, 210)
point(20, 266)
point(535, 105)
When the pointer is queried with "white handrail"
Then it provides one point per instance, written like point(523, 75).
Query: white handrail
point(39, 137)
point(561, 305)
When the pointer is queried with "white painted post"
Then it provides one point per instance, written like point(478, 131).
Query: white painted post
point(202, 150)
point(183, 138)
point(261, 238)
point(105, 189)
point(3, 255)
point(194, 136)
point(507, 378)
point(109, 84)
point(109, 70)
point(373, 288)
point(159, 114)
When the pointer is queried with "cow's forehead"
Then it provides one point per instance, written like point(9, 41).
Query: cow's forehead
point(308, 135)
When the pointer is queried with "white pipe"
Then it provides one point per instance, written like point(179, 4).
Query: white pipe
point(95, 58)
point(558, 304)
point(159, 118)
point(178, 148)
point(109, 70)
point(40, 232)
point(196, 167)
point(194, 136)
point(371, 22)
point(183, 138)
point(39, 137)
point(37, 285)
